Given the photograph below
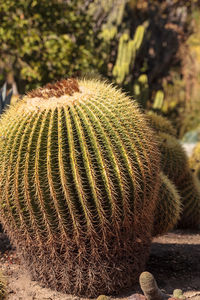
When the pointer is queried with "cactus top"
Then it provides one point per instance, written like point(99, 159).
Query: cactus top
point(69, 92)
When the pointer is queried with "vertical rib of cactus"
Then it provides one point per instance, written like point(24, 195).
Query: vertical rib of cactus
point(102, 167)
point(53, 188)
point(17, 187)
point(109, 151)
point(85, 214)
point(8, 173)
point(65, 174)
point(135, 150)
point(94, 197)
point(28, 176)
point(118, 147)
point(44, 200)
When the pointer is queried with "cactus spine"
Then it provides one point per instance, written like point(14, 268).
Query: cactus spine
point(79, 180)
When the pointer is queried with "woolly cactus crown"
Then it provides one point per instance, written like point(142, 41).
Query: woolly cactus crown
point(79, 179)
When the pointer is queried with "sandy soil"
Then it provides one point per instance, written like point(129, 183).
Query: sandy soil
point(174, 261)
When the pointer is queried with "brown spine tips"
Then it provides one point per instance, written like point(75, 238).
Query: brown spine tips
point(58, 89)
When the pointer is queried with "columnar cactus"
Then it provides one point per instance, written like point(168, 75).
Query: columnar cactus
point(79, 180)
point(168, 208)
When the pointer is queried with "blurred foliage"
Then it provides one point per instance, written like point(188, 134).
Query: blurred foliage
point(162, 28)
point(42, 41)
point(150, 48)
point(182, 86)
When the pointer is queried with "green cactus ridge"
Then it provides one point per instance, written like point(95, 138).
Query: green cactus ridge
point(79, 181)
point(168, 209)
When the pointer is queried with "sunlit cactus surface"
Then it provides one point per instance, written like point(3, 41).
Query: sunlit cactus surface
point(79, 181)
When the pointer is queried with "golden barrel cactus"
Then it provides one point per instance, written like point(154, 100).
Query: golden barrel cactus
point(79, 181)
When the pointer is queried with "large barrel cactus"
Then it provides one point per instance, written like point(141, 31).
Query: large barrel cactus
point(79, 181)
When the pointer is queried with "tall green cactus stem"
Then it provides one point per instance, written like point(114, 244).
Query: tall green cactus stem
point(175, 165)
point(141, 90)
point(168, 207)
point(79, 180)
point(160, 123)
point(127, 51)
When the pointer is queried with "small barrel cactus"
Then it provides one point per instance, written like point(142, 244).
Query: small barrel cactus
point(175, 165)
point(150, 288)
point(79, 181)
point(168, 209)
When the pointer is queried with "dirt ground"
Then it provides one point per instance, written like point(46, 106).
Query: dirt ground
point(174, 261)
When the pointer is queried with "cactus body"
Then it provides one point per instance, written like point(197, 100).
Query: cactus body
point(168, 208)
point(175, 165)
point(173, 157)
point(160, 124)
point(150, 288)
point(79, 180)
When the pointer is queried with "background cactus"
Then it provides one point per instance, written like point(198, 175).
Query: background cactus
point(175, 165)
point(79, 179)
point(160, 123)
point(127, 53)
point(168, 207)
